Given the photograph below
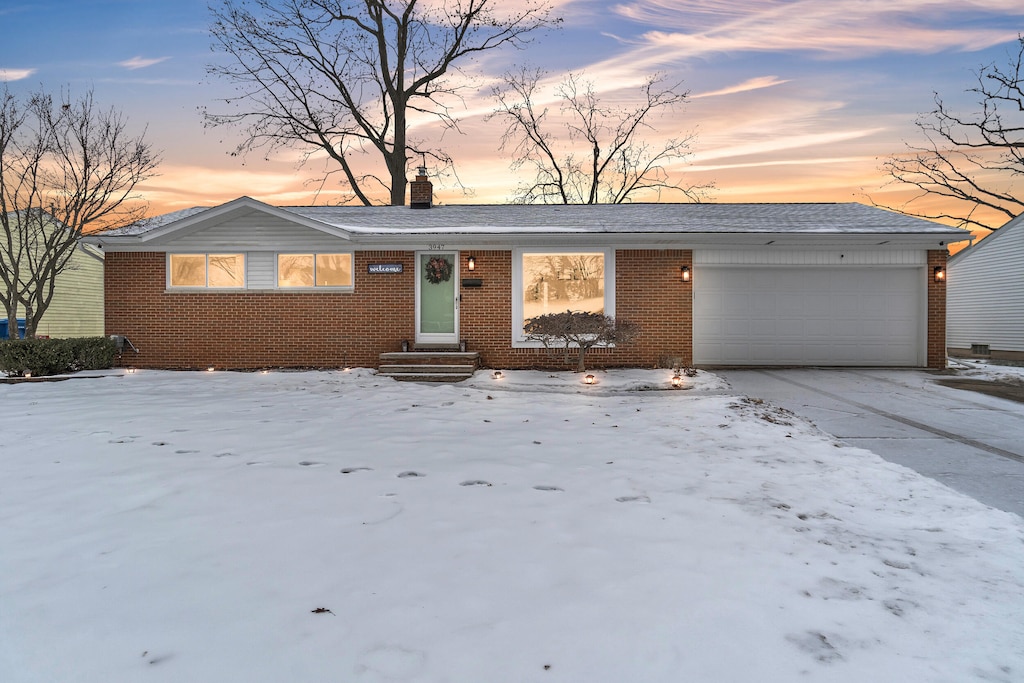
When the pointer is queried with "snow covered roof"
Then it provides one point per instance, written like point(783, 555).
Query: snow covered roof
point(625, 218)
point(822, 218)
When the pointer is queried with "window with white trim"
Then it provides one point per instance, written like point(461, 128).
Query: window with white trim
point(314, 270)
point(559, 280)
point(211, 271)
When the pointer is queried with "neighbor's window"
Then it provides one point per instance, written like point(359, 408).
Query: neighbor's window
point(314, 270)
point(559, 281)
point(207, 270)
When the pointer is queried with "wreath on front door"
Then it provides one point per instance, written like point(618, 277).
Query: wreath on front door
point(437, 270)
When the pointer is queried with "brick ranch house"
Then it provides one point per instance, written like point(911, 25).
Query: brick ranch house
point(249, 285)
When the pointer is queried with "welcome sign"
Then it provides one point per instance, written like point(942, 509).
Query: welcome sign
point(384, 268)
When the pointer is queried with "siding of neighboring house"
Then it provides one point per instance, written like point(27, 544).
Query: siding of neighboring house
point(985, 302)
point(76, 309)
point(255, 329)
point(77, 306)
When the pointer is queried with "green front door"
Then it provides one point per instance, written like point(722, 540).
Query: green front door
point(437, 297)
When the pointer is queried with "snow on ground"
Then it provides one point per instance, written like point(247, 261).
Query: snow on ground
point(338, 526)
point(987, 370)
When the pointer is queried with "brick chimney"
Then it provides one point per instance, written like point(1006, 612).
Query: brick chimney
point(421, 191)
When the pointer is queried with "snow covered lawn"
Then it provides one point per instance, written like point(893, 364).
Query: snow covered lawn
point(336, 526)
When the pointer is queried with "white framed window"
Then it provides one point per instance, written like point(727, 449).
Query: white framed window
point(314, 271)
point(546, 280)
point(207, 271)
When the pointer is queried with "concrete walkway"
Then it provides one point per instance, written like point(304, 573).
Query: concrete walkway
point(969, 441)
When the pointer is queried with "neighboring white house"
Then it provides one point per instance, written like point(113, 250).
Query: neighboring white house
point(985, 296)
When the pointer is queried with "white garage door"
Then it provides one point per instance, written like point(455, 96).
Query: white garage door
point(808, 316)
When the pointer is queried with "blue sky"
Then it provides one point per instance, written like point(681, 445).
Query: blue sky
point(795, 100)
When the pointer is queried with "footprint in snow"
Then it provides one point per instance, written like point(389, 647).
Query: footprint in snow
point(896, 564)
point(633, 499)
point(818, 645)
point(183, 451)
point(410, 475)
point(350, 470)
point(475, 482)
point(311, 463)
point(548, 488)
point(223, 454)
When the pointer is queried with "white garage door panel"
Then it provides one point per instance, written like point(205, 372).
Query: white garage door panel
point(807, 316)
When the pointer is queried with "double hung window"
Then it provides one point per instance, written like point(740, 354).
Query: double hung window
point(314, 270)
point(212, 271)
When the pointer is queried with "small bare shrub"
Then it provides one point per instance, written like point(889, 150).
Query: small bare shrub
point(581, 331)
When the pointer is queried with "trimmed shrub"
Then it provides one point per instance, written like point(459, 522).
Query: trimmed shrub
point(92, 353)
point(56, 356)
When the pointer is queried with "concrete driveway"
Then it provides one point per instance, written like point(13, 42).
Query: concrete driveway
point(969, 441)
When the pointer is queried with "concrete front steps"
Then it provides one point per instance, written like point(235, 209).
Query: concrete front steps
point(429, 366)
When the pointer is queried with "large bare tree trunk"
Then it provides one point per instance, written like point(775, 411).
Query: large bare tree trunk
point(341, 76)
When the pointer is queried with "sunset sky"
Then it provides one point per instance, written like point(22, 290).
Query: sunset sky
point(791, 100)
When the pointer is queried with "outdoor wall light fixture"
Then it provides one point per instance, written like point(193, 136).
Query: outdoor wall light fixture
point(497, 374)
point(471, 263)
point(684, 273)
point(940, 274)
point(677, 380)
point(210, 369)
point(589, 379)
point(130, 371)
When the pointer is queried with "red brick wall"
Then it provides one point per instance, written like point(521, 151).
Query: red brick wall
point(936, 311)
point(321, 329)
point(648, 292)
point(318, 329)
point(258, 329)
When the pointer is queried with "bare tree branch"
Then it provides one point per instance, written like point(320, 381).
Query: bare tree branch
point(68, 168)
point(341, 76)
point(602, 157)
point(974, 161)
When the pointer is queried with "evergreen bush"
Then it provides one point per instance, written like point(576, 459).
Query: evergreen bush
point(43, 357)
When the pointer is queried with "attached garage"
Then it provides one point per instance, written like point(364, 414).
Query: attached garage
point(812, 308)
